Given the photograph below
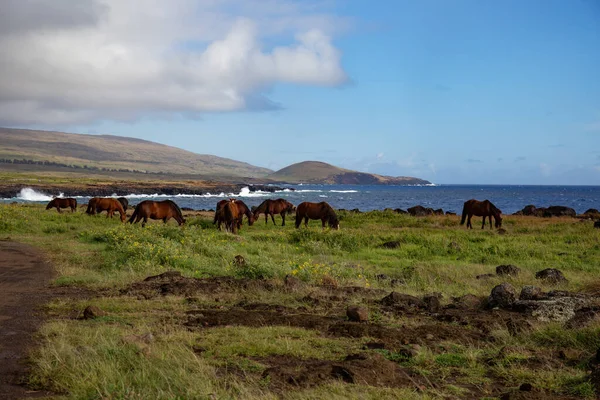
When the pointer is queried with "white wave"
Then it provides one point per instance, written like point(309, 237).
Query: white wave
point(309, 191)
point(344, 191)
point(28, 194)
point(244, 192)
point(322, 195)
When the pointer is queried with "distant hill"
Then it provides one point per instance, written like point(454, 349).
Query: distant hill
point(320, 172)
point(106, 152)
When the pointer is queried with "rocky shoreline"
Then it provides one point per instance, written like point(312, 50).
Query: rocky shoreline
point(126, 188)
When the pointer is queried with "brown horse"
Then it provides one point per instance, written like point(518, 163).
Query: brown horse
point(322, 211)
point(272, 207)
point(91, 206)
point(109, 205)
point(164, 210)
point(242, 210)
point(481, 209)
point(62, 203)
point(124, 202)
point(231, 216)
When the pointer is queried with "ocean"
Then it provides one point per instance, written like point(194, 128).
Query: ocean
point(509, 198)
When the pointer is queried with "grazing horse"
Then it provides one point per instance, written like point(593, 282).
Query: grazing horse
point(322, 211)
point(164, 210)
point(124, 202)
point(62, 203)
point(242, 210)
point(231, 216)
point(109, 205)
point(91, 206)
point(272, 207)
point(481, 209)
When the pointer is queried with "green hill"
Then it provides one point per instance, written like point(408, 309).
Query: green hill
point(320, 172)
point(97, 152)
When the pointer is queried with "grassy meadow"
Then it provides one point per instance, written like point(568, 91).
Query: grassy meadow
point(201, 342)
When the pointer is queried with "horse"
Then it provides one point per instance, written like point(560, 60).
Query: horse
point(242, 210)
point(107, 204)
point(124, 202)
point(91, 206)
point(272, 207)
point(322, 211)
point(59, 203)
point(231, 216)
point(164, 210)
point(481, 209)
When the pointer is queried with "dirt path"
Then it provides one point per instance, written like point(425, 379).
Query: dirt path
point(24, 287)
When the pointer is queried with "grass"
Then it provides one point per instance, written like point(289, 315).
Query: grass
point(93, 359)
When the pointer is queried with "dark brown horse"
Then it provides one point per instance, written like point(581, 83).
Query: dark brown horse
point(322, 211)
point(124, 202)
point(91, 206)
point(231, 216)
point(272, 207)
point(59, 203)
point(481, 209)
point(107, 204)
point(164, 210)
point(242, 210)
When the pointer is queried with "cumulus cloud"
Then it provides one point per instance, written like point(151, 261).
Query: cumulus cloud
point(68, 62)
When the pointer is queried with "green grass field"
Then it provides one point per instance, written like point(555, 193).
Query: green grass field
point(239, 338)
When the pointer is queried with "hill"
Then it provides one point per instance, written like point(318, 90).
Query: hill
point(320, 172)
point(113, 153)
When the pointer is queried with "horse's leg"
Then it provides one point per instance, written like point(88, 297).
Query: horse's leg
point(266, 218)
point(306, 222)
point(283, 218)
point(144, 221)
point(323, 223)
point(483, 224)
point(58, 208)
point(273, 218)
point(469, 225)
point(165, 220)
point(298, 221)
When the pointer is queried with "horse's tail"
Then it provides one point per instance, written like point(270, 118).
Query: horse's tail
point(135, 213)
point(464, 215)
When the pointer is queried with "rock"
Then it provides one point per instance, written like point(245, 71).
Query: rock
point(559, 211)
point(432, 303)
point(291, 282)
point(450, 213)
point(552, 276)
point(508, 269)
point(591, 211)
point(582, 318)
point(597, 224)
point(531, 293)
point(439, 211)
point(529, 210)
point(526, 387)
point(467, 302)
point(239, 261)
point(357, 313)
point(165, 275)
point(559, 309)
point(391, 245)
point(400, 211)
point(403, 301)
point(485, 276)
point(92, 312)
point(502, 296)
point(420, 211)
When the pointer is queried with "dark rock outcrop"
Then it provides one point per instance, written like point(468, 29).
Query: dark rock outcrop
point(503, 296)
point(508, 269)
point(552, 276)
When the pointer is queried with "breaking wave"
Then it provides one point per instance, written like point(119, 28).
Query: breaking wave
point(28, 194)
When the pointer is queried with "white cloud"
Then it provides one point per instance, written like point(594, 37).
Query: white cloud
point(112, 59)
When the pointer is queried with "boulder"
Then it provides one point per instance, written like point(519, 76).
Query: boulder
point(559, 211)
point(357, 313)
point(503, 296)
point(92, 312)
point(439, 211)
point(400, 211)
point(420, 211)
point(531, 293)
point(552, 276)
point(403, 301)
point(529, 210)
point(508, 269)
point(560, 309)
point(432, 303)
point(592, 211)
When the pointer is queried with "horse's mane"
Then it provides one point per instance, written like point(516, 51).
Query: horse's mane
point(176, 207)
point(331, 215)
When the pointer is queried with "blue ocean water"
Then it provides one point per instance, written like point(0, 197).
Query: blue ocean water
point(509, 198)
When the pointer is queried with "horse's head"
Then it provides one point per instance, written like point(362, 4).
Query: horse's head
point(251, 219)
point(51, 204)
point(498, 218)
point(123, 217)
point(290, 207)
point(334, 223)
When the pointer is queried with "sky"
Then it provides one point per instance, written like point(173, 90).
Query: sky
point(452, 91)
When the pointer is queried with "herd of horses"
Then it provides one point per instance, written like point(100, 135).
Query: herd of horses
point(230, 212)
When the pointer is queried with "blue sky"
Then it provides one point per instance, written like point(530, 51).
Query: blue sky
point(461, 91)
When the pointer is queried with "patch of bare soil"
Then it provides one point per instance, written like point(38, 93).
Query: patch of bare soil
point(24, 280)
point(371, 369)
